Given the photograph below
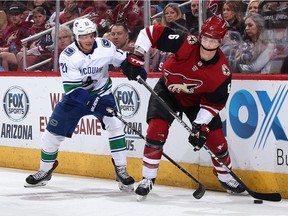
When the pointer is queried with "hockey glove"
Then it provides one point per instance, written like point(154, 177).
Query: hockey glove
point(132, 65)
point(198, 135)
point(99, 104)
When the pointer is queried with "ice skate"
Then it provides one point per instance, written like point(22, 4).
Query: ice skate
point(143, 188)
point(40, 178)
point(125, 181)
point(232, 186)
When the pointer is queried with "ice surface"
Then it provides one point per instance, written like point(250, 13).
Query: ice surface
point(67, 195)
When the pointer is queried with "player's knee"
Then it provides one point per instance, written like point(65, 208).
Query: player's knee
point(157, 131)
point(112, 124)
point(51, 141)
point(216, 141)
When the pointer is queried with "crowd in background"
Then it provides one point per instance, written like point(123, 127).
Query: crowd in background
point(256, 41)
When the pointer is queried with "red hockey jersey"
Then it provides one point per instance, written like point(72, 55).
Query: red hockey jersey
point(191, 80)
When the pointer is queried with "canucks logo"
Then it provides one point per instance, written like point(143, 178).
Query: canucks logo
point(69, 51)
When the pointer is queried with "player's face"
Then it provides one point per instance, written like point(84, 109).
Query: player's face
point(86, 42)
point(209, 43)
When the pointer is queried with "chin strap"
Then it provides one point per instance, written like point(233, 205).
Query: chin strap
point(209, 49)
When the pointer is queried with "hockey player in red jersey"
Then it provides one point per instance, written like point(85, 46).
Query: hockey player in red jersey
point(196, 81)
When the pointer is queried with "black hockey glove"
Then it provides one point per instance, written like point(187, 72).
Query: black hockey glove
point(132, 65)
point(198, 135)
point(99, 104)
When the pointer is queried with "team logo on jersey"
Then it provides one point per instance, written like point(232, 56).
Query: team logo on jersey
point(105, 43)
point(182, 83)
point(135, 9)
point(225, 70)
point(191, 39)
point(69, 51)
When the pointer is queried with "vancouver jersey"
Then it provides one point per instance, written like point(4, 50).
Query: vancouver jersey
point(190, 79)
point(79, 69)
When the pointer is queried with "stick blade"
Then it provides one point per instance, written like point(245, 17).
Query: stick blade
point(199, 192)
point(274, 197)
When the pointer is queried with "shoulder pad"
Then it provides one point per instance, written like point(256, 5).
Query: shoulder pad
point(69, 51)
point(105, 43)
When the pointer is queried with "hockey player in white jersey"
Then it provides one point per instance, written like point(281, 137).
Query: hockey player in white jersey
point(87, 85)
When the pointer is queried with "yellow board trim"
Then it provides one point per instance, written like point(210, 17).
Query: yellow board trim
point(100, 166)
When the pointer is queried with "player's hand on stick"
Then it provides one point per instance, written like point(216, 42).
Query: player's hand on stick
point(132, 67)
point(198, 135)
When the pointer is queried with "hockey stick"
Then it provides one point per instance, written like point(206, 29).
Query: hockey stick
point(199, 192)
point(263, 196)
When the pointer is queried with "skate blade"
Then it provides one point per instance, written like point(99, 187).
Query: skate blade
point(244, 193)
point(141, 198)
point(43, 183)
point(126, 188)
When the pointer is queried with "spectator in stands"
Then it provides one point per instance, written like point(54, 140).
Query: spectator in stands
point(232, 13)
point(120, 37)
point(127, 11)
point(10, 38)
point(173, 17)
point(39, 3)
point(3, 20)
point(71, 12)
point(101, 14)
point(39, 20)
point(52, 18)
point(45, 51)
point(255, 53)
point(192, 17)
point(252, 6)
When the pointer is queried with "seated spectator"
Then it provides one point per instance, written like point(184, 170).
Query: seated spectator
point(101, 14)
point(255, 52)
point(10, 38)
point(39, 3)
point(40, 24)
point(252, 6)
point(192, 18)
point(52, 18)
point(127, 11)
point(233, 15)
point(120, 37)
point(71, 12)
point(46, 50)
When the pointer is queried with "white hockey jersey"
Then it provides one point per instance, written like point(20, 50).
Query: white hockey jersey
point(76, 67)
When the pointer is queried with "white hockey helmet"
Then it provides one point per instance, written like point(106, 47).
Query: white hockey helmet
point(83, 26)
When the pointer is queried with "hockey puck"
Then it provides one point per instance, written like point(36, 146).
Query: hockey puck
point(257, 201)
